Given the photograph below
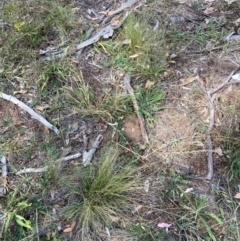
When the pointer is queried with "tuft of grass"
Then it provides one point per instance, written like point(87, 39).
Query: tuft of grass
point(54, 74)
point(100, 192)
point(149, 102)
point(145, 233)
point(193, 215)
point(235, 164)
point(113, 104)
point(137, 48)
point(108, 105)
point(16, 207)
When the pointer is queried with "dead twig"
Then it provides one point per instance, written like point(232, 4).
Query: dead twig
point(43, 169)
point(136, 107)
point(30, 111)
point(88, 155)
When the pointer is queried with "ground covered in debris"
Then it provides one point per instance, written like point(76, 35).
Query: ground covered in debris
point(119, 120)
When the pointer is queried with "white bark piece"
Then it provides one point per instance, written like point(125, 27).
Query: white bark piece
point(3, 179)
point(30, 111)
point(88, 155)
point(103, 32)
point(4, 166)
point(43, 169)
point(34, 170)
point(106, 32)
point(127, 4)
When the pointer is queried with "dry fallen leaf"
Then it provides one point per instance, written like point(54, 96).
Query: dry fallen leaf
point(22, 91)
point(75, 10)
point(114, 219)
point(73, 224)
point(89, 17)
point(237, 195)
point(134, 56)
point(115, 22)
point(41, 108)
point(136, 209)
point(126, 41)
point(187, 191)
point(149, 84)
point(110, 13)
point(164, 225)
point(219, 151)
point(103, 12)
point(209, 10)
point(69, 229)
point(189, 80)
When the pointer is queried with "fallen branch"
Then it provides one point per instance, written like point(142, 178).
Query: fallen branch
point(211, 97)
point(30, 111)
point(3, 179)
point(88, 155)
point(125, 5)
point(106, 32)
point(224, 83)
point(43, 169)
point(136, 107)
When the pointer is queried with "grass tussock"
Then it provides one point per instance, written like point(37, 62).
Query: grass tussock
point(138, 48)
point(100, 192)
point(107, 105)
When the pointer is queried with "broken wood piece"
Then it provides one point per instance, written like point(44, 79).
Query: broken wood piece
point(88, 155)
point(3, 186)
point(210, 158)
point(30, 111)
point(136, 107)
point(34, 170)
point(106, 32)
point(123, 6)
point(43, 169)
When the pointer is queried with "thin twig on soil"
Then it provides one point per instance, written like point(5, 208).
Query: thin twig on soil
point(30, 111)
point(136, 107)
